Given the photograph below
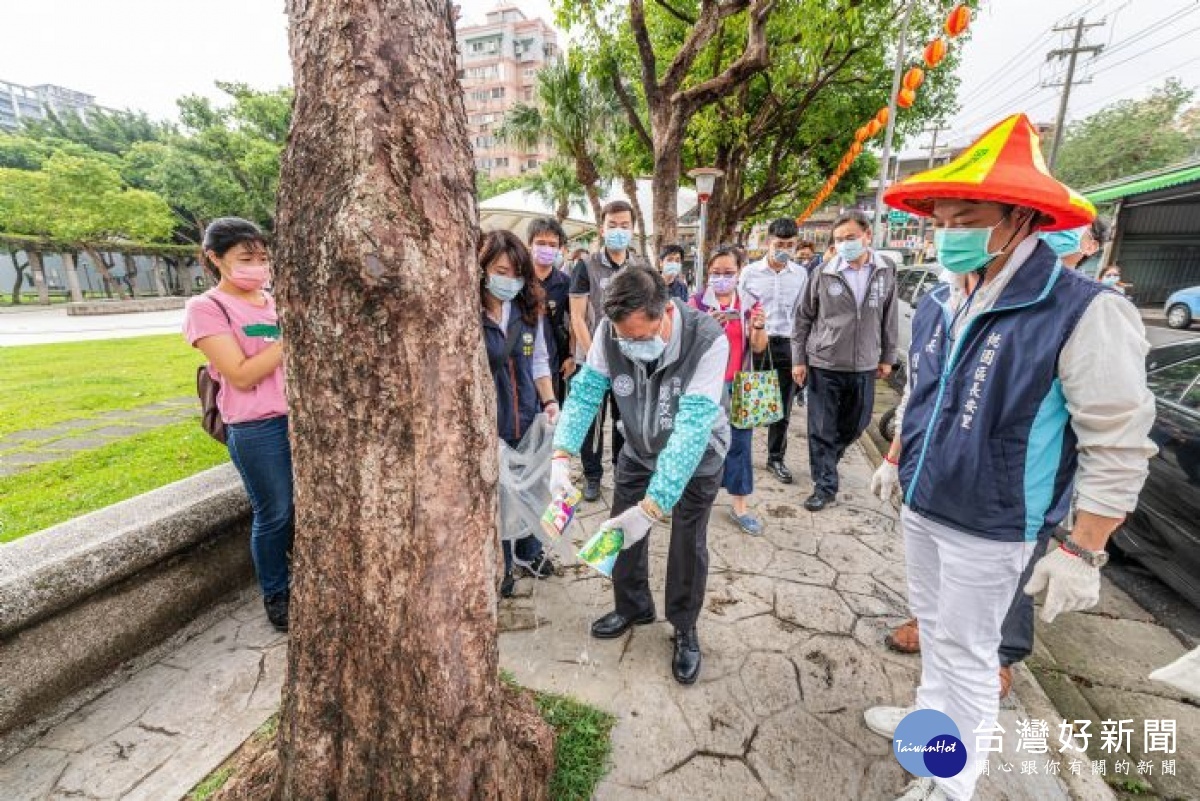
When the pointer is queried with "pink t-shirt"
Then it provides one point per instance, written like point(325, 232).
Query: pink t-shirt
point(254, 328)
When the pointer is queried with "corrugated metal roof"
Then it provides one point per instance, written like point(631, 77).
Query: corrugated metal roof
point(1145, 182)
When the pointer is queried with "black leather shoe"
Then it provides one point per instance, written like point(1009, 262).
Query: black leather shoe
point(507, 585)
point(277, 610)
point(780, 470)
point(591, 490)
point(614, 624)
point(685, 666)
point(819, 500)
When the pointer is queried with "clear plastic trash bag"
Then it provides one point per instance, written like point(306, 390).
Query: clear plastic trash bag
point(525, 483)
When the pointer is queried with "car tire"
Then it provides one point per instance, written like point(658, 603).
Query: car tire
point(1179, 316)
point(887, 425)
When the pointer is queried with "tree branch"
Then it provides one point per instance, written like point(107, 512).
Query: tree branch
point(627, 103)
point(753, 59)
point(674, 12)
point(712, 14)
point(637, 19)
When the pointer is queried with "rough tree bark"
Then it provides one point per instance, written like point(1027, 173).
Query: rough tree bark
point(105, 269)
point(20, 276)
point(393, 686)
point(72, 276)
point(39, 276)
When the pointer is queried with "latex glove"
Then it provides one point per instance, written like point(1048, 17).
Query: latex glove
point(552, 412)
point(634, 524)
point(1071, 584)
point(560, 475)
point(886, 480)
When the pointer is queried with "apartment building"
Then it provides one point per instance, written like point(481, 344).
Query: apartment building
point(18, 103)
point(498, 64)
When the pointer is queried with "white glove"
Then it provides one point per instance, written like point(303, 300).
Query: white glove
point(634, 524)
point(552, 412)
point(560, 475)
point(886, 480)
point(1071, 584)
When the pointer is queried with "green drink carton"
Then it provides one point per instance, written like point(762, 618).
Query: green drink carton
point(602, 549)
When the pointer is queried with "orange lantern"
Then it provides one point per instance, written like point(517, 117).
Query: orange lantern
point(914, 78)
point(872, 128)
point(856, 149)
point(860, 134)
point(882, 117)
point(958, 20)
point(905, 98)
point(935, 51)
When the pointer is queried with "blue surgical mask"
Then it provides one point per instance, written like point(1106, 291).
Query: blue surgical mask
point(672, 268)
point(964, 250)
point(504, 288)
point(1111, 280)
point(1064, 243)
point(782, 256)
point(722, 284)
point(642, 350)
point(618, 238)
point(851, 249)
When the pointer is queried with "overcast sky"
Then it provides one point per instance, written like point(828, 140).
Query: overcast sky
point(143, 54)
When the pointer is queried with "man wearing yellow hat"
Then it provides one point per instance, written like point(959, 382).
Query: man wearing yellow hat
point(1027, 389)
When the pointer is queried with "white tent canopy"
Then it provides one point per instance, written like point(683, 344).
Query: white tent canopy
point(513, 211)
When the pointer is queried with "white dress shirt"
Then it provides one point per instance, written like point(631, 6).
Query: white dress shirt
point(779, 292)
point(1102, 368)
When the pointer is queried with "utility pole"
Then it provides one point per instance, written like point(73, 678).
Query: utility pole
point(1071, 54)
point(880, 234)
point(937, 128)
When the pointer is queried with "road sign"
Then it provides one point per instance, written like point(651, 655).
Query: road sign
point(897, 216)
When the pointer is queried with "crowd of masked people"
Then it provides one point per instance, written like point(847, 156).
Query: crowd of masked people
point(1025, 400)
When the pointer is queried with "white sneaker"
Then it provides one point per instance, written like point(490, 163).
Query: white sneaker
point(923, 790)
point(883, 720)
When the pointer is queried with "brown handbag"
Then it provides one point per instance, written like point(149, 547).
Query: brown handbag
point(207, 388)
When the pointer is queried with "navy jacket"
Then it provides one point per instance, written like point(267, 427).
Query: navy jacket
point(516, 396)
point(987, 443)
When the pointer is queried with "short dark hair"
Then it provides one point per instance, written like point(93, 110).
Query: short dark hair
point(547, 225)
point(724, 250)
point(852, 216)
point(806, 243)
point(635, 289)
point(615, 207)
point(1099, 229)
point(671, 250)
point(783, 228)
point(226, 233)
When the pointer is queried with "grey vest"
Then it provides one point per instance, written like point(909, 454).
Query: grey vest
point(648, 402)
point(600, 271)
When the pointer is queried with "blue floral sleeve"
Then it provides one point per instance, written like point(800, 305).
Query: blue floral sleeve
point(583, 402)
point(685, 448)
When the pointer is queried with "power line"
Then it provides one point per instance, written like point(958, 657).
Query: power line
point(1108, 96)
point(1140, 53)
point(1149, 30)
point(1071, 54)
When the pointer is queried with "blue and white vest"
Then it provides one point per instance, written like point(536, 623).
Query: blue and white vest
point(987, 443)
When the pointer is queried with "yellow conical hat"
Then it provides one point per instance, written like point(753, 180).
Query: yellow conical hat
point(1005, 166)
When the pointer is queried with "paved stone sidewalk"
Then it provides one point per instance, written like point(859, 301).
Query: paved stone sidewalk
point(792, 635)
point(24, 449)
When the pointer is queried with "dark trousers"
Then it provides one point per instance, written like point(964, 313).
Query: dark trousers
point(263, 456)
point(1016, 635)
point(687, 559)
point(779, 357)
point(839, 410)
point(592, 452)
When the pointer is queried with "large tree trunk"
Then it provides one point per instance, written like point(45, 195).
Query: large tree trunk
point(629, 184)
point(131, 272)
point(20, 279)
point(39, 277)
point(157, 270)
point(105, 270)
point(668, 142)
point(72, 276)
point(393, 686)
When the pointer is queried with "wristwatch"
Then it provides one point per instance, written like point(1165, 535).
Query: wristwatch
point(1096, 559)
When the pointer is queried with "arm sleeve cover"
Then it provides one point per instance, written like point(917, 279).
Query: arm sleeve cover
point(582, 404)
point(685, 448)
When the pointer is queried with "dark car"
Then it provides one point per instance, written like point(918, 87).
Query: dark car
point(1164, 532)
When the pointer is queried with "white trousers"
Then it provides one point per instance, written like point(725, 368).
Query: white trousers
point(959, 588)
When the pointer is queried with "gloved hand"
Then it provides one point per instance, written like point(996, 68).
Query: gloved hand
point(1071, 584)
point(560, 475)
point(634, 524)
point(551, 411)
point(886, 480)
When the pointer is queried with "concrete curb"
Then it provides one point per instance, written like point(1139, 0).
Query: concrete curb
point(79, 599)
point(97, 307)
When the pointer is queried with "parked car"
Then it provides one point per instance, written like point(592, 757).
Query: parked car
point(1183, 307)
point(1164, 532)
point(912, 284)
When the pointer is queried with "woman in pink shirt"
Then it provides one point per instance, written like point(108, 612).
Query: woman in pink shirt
point(745, 327)
point(236, 327)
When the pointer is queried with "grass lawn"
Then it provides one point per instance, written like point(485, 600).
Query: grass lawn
point(57, 491)
point(580, 755)
point(47, 384)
